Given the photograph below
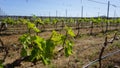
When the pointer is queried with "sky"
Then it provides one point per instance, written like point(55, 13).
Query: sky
point(69, 8)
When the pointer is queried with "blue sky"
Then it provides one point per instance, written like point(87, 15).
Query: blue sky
point(49, 7)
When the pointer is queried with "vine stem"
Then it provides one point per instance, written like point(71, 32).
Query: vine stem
point(63, 42)
point(103, 48)
point(102, 51)
point(6, 50)
point(103, 57)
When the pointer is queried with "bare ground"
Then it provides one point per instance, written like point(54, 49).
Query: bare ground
point(86, 49)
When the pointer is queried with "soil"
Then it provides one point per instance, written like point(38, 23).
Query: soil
point(86, 49)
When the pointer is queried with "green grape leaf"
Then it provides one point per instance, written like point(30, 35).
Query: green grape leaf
point(32, 26)
point(38, 41)
point(49, 50)
point(46, 61)
point(36, 29)
point(70, 31)
point(23, 52)
point(35, 54)
point(68, 48)
point(47, 20)
point(56, 37)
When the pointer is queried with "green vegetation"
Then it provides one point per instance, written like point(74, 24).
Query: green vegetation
point(37, 48)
